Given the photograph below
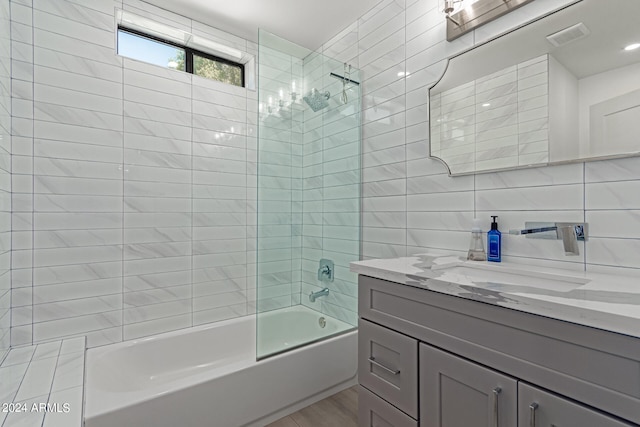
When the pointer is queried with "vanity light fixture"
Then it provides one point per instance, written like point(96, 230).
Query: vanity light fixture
point(466, 15)
point(486, 104)
point(450, 6)
point(633, 46)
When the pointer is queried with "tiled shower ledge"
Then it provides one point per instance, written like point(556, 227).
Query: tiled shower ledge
point(51, 373)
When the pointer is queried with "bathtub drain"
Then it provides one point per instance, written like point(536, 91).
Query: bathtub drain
point(322, 322)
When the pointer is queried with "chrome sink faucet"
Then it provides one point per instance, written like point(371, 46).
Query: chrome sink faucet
point(569, 233)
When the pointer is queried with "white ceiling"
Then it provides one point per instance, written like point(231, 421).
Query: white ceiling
point(308, 23)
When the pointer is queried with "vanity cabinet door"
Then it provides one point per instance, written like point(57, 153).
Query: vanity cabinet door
point(455, 392)
point(537, 408)
point(388, 365)
point(375, 412)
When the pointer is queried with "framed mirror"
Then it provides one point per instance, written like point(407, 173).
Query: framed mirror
point(562, 88)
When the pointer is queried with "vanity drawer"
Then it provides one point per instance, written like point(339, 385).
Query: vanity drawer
point(388, 365)
point(375, 412)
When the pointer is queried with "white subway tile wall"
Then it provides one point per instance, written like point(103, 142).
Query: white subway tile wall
point(131, 189)
point(223, 135)
point(5, 174)
point(410, 205)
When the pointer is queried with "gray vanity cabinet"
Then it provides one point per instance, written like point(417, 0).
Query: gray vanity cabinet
point(434, 360)
point(537, 408)
point(458, 393)
point(455, 392)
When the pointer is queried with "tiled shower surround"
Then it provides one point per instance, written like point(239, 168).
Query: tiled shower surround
point(308, 181)
point(134, 187)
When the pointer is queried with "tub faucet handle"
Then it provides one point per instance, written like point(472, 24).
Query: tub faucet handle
point(325, 270)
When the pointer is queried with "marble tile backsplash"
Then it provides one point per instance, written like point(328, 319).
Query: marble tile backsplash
point(410, 205)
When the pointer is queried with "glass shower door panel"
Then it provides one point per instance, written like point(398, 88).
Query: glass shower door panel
point(308, 196)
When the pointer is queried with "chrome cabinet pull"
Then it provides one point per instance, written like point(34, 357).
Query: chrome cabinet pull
point(373, 361)
point(532, 414)
point(496, 395)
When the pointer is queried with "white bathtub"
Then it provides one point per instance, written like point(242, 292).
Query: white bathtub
point(208, 376)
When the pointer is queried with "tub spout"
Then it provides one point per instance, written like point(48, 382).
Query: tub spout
point(322, 293)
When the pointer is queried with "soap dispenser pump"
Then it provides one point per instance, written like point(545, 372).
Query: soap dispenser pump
point(494, 242)
point(476, 247)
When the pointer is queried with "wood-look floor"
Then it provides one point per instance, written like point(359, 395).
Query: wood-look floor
point(339, 410)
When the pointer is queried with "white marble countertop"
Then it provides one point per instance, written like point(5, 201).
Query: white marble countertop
point(42, 385)
point(603, 301)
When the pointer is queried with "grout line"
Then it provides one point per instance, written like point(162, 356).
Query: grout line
point(33, 179)
point(11, 210)
point(123, 212)
point(406, 161)
point(191, 278)
point(84, 376)
point(53, 377)
point(584, 209)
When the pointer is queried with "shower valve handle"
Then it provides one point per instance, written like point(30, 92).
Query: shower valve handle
point(326, 270)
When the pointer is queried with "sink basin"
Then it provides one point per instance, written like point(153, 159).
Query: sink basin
point(466, 272)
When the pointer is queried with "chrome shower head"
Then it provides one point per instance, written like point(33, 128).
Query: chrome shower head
point(317, 100)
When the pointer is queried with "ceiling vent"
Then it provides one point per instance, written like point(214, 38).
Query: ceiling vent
point(568, 35)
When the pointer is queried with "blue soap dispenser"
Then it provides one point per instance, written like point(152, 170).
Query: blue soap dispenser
point(494, 242)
